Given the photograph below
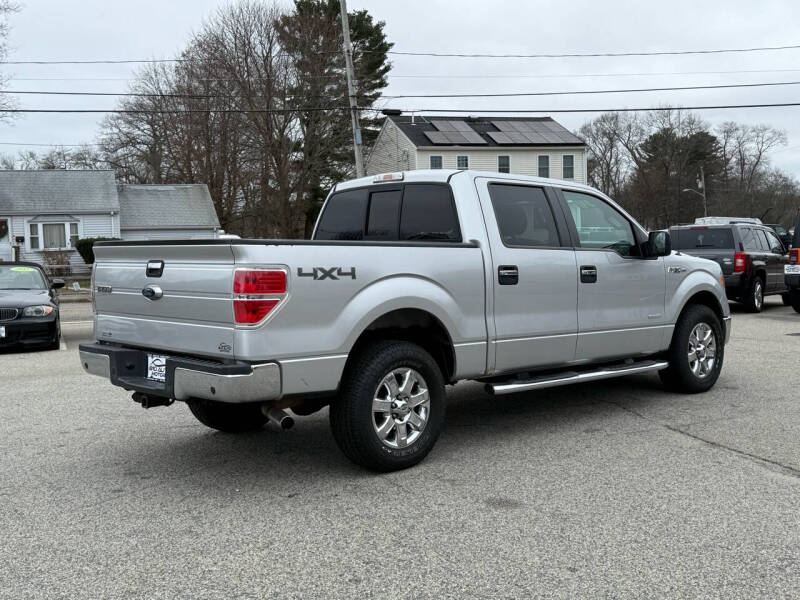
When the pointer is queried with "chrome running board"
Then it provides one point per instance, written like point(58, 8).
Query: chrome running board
point(566, 378)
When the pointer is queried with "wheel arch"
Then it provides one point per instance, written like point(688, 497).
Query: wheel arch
point(413, 325)
point(704, 298)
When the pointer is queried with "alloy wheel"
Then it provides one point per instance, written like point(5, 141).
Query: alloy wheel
point(400, 407)
point(758, 294)
point(702, 350)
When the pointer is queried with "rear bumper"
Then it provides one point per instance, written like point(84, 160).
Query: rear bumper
point(792, 281)
point(186, 378)
point(735, 285)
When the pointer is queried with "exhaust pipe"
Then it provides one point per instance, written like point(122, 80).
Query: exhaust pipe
point(148, 401)
point(278, 417)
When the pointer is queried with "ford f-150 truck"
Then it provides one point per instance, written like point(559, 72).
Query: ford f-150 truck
point(412, 281)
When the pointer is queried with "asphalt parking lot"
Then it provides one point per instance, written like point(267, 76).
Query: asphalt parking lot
point(611, 489)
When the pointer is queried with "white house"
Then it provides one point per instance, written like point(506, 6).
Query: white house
point(526, 145)
point(43, 210)
point(51, 209)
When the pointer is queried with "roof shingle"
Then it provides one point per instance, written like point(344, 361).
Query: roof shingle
point(57, 191)
point(166, 206)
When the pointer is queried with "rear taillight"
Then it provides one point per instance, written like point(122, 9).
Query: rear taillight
point(794, 256)
point(256, 293)
point(259, 282)
point(739, 262)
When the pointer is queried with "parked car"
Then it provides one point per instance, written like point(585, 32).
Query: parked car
point(411, 281)
point(751, 257)
point(792, 269)
point(726, 220)
point(28, 306)
point(783, 234)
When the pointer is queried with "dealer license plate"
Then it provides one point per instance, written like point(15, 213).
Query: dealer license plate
point(157, 367)
point(791, 269)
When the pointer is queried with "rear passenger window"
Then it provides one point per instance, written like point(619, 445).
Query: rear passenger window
point(774, 245)
point(428, 213)
point(384, 213)
point(343, 218)
point(749, 240)
point(523, 215)
point(762, 239)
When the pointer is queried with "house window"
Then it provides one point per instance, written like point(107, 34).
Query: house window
point(436, 162)
point(568, 166)
point(544, 166)
point(462, 162)
point(504, 164)
point(54, 235)
point(73, 235)
point(33, 238)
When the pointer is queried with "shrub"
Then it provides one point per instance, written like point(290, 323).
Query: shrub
point(56, 262)
point(85, 248)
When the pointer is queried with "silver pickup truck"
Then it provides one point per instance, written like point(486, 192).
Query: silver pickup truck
point(412, 281)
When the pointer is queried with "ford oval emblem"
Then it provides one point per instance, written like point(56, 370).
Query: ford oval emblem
point(152, 292)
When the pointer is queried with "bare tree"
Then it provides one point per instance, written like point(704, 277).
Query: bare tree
point(7, 8)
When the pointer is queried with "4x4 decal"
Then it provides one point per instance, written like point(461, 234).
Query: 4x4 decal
point(320, 273)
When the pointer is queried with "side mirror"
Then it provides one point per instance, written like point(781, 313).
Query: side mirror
point(57, 284)
point(659, 244)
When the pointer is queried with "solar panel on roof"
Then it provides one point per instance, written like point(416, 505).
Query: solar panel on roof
point(436, 137)
point(499, 137)
point(474, 137)
point(536, 138)
point(454, 132)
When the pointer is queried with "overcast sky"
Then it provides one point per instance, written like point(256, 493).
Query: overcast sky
point(113, 29)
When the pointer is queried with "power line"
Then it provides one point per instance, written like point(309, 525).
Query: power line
point(576, 75)
point(167, 111)
point(398, 96)
point(597, 54)
point(48, 145)
point(451, 75)
point(433, 54)
point(598, 110)
point(580, 92)
point(414, 110)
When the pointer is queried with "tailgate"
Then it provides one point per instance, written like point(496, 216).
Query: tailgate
point(190, 306)
point(723, 257)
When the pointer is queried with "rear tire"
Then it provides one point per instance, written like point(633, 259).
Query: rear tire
point(696, 353)
point(230, 418)
point(754, 301)
point(794, 299)
point(391, 407)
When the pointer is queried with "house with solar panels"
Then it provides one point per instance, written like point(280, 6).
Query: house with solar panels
point(536, 146)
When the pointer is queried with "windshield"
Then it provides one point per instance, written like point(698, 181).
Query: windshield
point(701, 237)
point(21, 278)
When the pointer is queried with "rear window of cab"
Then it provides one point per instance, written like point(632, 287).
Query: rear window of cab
point(409, 212)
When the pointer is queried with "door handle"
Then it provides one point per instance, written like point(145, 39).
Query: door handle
point(507, 275)
point(588, 274)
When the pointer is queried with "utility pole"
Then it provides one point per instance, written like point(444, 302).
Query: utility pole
point(702, 185)
point(351, 89)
